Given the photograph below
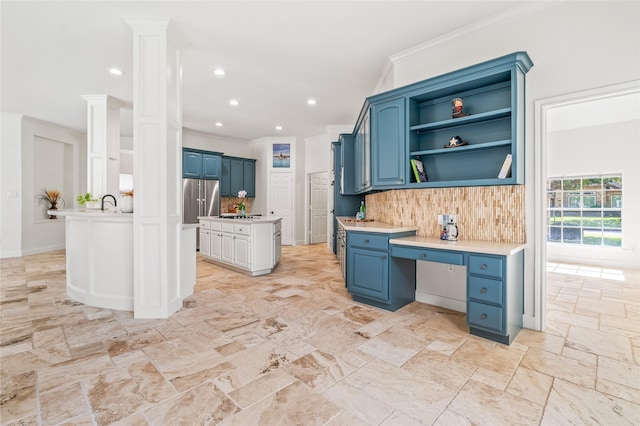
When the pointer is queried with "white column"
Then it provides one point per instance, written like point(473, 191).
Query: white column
point(157, 168)
point(103, 144)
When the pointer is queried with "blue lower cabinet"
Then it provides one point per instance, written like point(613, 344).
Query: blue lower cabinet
point(373, 276)
point(495, 296)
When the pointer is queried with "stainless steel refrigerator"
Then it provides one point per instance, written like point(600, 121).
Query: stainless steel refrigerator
point(201, 197)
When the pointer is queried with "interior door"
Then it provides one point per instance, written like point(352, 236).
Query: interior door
point(319, 188)
point(281, 202)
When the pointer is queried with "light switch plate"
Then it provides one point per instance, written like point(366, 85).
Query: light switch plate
point(440, 219)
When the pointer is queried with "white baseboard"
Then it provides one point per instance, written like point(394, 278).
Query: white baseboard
point(11, 253)
point(39, 250)
point(443, 302)
point(530, 322)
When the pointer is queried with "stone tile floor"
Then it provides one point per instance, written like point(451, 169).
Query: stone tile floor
point(293, 348)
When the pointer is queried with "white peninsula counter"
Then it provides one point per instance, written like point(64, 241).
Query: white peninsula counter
point(99, 251)
point(250, 245)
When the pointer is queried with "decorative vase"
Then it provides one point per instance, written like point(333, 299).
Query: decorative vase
point(53, 207)
point(125, 203)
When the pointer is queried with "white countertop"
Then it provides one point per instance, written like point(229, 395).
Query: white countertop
point(93, 213)
point(373, 226)
point(488, 247)
point(254, 219)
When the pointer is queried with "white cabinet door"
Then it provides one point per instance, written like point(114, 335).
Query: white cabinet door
point(228, 240)
point(205, 242)
point(216, 245)
point(243, 251)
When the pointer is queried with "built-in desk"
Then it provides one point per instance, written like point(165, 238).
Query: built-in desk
point(495, 279)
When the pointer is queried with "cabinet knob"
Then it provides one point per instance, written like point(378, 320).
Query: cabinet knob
point(422, 255)
point(366, 241)
point(483, 266)
point(483, 316)
point(483, 290)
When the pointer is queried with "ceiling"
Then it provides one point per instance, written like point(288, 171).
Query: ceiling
point(276, 56)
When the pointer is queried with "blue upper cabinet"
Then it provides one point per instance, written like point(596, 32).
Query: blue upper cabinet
point(191, 164)
point(211, 166)
point(200, 164)
point(347, 164)
point(388, 147)
point(418, 124)
point(249, 177)
point(225, 177)
point(238, 174)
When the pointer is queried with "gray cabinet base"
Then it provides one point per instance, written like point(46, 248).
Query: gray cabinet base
point(506, 340)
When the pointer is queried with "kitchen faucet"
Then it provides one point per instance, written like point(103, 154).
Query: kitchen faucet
point(115, 203)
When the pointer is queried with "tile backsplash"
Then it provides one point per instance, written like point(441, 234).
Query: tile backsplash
point(489, 213)
point(227, 204)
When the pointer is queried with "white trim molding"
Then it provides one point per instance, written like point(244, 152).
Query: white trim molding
point(542, 109)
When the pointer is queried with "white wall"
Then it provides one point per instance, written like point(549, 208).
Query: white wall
point(604, 149)
point(317, 154)
point(10, 185)
point(574, 46)
point(33, 152)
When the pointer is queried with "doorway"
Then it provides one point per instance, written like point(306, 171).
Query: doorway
point(545, 112)
point(281, 202)
point(318, 190)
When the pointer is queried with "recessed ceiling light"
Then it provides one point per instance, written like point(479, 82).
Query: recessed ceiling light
point(278, 127)
point(219, 124)
point(116, 71)
point(234, 102)
point(311, 102)
point(219, 72)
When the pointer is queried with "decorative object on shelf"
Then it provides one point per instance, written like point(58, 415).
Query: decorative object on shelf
point(242, 210)
point(455, 142)
point(87, 200)
point(51, 196)
point(456, 108)
point(505, 170)
point(125, 203)
point(418, 170)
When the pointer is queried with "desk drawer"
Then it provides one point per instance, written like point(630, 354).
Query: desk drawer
point(448, 257)
point(484, 265)
point(485, 316)
point(369, 241)
point(485, 290)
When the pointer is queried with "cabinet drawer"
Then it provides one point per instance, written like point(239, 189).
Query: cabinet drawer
point(485, 289)
point(216, 226)
point(243, 229)
point(228, 227)
point(277, 226)
point(429, 255)
point(485, 316)
point(205, 224)
point(484, 265)
point(370, 241)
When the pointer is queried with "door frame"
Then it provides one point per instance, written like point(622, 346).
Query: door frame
point(542, 108)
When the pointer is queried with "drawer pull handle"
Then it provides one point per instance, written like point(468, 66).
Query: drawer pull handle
point(483, 316)
point(383, 257)
point(483, 266)
point(366, 241)
point(423, 255)
point(483, 290)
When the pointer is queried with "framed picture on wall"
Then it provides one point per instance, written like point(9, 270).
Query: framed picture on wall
point(281, 155)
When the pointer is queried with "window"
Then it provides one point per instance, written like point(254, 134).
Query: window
point(585, 210)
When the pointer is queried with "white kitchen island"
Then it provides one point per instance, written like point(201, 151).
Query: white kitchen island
point(251, 245)
point(99, 251)
point(100, 258)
